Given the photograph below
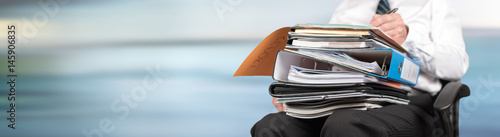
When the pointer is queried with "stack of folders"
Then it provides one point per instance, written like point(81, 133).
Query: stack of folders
point(326, 67)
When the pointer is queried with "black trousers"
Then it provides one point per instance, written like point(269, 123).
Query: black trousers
point(416, 119)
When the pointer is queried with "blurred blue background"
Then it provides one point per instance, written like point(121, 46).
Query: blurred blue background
point(78, 59)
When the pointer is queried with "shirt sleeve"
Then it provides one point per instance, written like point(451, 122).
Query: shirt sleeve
point(354, 12)
point(441, 52)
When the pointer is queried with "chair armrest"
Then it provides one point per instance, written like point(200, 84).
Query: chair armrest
point(451, 92)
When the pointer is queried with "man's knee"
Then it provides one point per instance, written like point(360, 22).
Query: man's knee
point(350, 123)
point(341, 120)
point(271, 125)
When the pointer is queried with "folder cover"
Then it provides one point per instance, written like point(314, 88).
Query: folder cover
point(283, 89)
point(261, 60)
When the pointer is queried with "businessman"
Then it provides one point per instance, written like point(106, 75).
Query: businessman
point(430, 31)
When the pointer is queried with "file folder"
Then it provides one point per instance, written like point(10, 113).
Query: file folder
point(398, 67)
point(371, 31)
point(261, 60)
point(285, 89)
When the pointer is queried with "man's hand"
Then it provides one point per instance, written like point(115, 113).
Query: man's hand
point(279, 106)
point(392, 25)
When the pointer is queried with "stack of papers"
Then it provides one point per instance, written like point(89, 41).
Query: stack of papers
point(318, 100)
point(322, 68)
point(310, 76)
point(343, 59)
point(343, 33)
point(329, 55)
point(314, 109)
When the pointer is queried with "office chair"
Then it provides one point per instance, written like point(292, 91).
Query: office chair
point(447, 105)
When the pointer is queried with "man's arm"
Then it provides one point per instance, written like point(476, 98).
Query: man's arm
point(440, 52)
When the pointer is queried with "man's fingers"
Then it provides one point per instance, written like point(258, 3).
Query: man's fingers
point(376, 16)
point(376, 20)
point(379, 20)
point(392, 24)
point(388, 26)
point(397, 35)
point(278, 106)
point(392, 33)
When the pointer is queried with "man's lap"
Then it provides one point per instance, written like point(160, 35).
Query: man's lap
point(391, 120)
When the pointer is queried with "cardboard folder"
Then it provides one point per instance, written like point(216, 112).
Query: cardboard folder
point(260, 62)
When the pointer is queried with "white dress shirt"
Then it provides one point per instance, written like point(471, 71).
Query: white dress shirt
point(434, 38)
